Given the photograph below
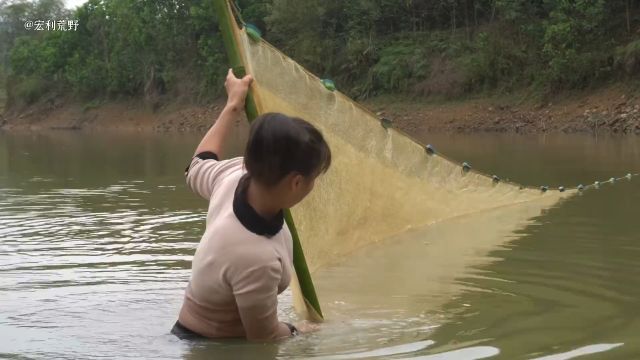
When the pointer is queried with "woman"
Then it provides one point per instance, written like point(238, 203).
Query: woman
point(243, 260)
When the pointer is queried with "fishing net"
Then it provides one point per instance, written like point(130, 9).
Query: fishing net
point(381, 181)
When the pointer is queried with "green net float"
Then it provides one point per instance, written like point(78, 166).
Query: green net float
point(580, 187)
point(561, 189)
point(495, 179)
point(328, 84)
point(466, 167)
point(253, 32)
point(544, 188)
point(429, 149)
point(386, 123)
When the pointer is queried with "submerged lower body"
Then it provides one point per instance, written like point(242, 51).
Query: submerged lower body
point(185, 333)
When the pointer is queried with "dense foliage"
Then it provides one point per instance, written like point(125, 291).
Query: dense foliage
point(171, 49)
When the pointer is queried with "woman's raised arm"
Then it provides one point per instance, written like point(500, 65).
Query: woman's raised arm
point(214, 139)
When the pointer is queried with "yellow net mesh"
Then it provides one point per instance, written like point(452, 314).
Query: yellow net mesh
point(381, 181)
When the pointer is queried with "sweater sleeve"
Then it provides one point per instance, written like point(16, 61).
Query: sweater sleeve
point(256, 292)
point(204, 172)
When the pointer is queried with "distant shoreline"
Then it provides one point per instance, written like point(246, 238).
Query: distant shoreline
point(607, 110)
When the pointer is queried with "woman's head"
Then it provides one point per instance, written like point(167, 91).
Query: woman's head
point(286, 152)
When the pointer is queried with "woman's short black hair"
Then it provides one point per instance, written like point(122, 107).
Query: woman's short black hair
point(279, 144)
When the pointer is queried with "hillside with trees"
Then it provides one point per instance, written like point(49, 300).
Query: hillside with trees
point(163, 51)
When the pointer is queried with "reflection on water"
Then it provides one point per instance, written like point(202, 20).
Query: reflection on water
point(585, 350)
point(97, 233)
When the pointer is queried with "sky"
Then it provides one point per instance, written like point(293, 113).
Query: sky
point(72, 4)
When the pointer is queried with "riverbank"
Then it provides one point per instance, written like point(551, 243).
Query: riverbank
point(613, 109)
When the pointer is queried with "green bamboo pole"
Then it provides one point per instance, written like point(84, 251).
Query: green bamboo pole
point(227, 22)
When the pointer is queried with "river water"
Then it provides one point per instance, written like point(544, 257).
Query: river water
point(97, 232)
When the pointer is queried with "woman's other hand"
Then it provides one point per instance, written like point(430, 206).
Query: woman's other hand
point(305, 327)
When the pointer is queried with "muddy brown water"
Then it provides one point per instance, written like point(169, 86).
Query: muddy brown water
point(97, 232)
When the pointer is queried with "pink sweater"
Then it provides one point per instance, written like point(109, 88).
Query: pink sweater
point(242, 261)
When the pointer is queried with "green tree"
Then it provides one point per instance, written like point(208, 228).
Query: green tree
point(570, 32)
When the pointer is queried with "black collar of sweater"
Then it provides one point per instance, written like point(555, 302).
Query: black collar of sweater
point(248, 216)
